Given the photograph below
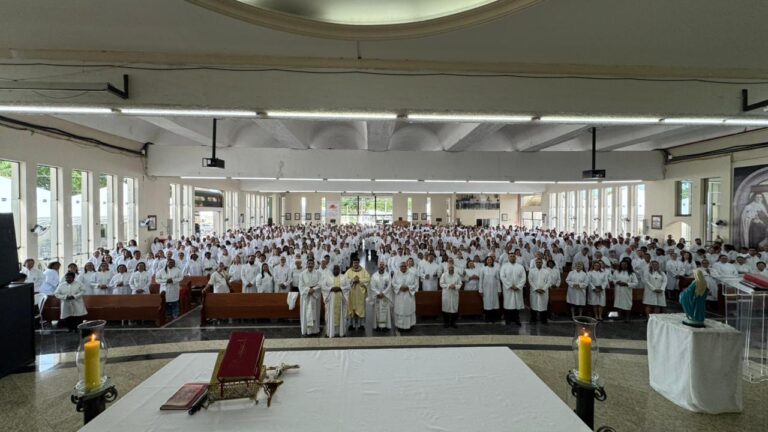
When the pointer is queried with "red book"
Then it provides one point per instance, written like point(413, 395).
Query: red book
point(243, 357)
point(186, 397)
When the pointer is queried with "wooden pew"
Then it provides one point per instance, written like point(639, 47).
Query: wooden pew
point(145, 307)
point(247, 306)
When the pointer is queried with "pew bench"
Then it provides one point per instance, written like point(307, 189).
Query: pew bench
point(144, 307)
point(237, 305)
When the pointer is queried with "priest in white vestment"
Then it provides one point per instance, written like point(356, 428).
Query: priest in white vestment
point(450, 282)
point(381, 290)
point(512, 275)
point(405, 284)
point(539, 282)
point(309, 288)
point(335, 288)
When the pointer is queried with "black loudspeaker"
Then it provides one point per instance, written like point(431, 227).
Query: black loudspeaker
point(9, 257)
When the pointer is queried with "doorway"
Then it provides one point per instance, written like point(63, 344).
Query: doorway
point(208, 221)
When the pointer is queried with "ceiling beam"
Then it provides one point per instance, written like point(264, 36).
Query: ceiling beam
point(379, 134)
point(290, 132)
point(464, 135)
point(618, 138)
point(197, 130)
point(540, 137)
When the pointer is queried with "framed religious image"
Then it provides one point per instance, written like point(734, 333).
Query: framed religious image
point(656, 222)
point(504, 217)
point(152, 223)
point(287, 216)
point(423, 216)
point(749, 208)
point(415, 217)
point(297, 216)
point(317, 216)
point(308, 216)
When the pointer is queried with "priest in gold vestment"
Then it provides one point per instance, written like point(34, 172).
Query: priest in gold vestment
point(335, 289)
point(359, 280)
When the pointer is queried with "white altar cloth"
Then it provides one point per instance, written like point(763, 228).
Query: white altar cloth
point(698, 369)
point(420, 389)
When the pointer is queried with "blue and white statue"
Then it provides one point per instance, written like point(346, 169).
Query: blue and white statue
point(694, 301)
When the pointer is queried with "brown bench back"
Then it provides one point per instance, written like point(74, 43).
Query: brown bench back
point(247, 306)
point(145, 307)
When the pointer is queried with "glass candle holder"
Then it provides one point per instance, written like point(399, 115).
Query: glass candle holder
point(585, 349)
point(91, 357)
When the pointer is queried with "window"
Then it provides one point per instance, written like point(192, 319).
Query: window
point(383, 209)
point(713, 209)
point(552, 210)
point(268, 210)
point(47, 213)
point(174, 219)
point(429, 210)
point(608, 225)
point(349, 209)
point(410, 209)
point(81, 226)
point(107, 214)
point(303, 207)
point(322, 210)
point(130, 209)
point(531, 219)
point(684, 189)
point(639, 209)
point(561, 218)
point(367, 210)
point(582, 222)
point(10, 198)
point(624, 221)
point(595, 214)
point(571, 216)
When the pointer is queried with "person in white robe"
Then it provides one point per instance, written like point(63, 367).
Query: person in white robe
point(310, 291)
point(88, 278)
point(219, 280)
point(599, 281)
point(405, 284)
point(209, 264)
point(335, 288)
point(624, 281)
point(429, 273)
point(283, 276)
point(578, 283)
point(140, 280)
point(169, 278)
point(296, 270)
point(450, 282)
point(381, 290)
point(265, 282)
point(489, 288)
point(32, 274)
point(70, 294)
point(50, 278)
point(471, 277)
point(539, 283)
point(120, 282)
point(710, 276)
point(675, 270)
point(512, 276)
point(724, 268)
point(103, 278)
point(655, 282)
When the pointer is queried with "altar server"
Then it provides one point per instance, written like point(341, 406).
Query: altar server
point(598, 284)
point(359, 279)
point(140, 280)
point(489, 289)
point(512, 276)
point(88, 278)
point(578, 282)
point(624, 281)
point(450, 282)
point(405, 284)
point(335, 290)
point(381, 289)
point(471, 277)
point(119, 284)
point(309, 287)
point(655, 282)
point(169, 278)
point(103, 277)
point(70, 293)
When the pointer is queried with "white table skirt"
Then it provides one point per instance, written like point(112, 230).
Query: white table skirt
point(699, 369)
point(430, 389)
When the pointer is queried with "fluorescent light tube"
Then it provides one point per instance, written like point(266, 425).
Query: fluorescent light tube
point(395, 180)
point(445, 181)
point(747, 122)
point(533, 182)
point(172, 112)
point(470, 118)
point(349, 180)
point(254, 178)
point(577, 182)
point(622, 181)
point(599, 119)
point(332, 115)
point(489, 181)
point(693, 120)
point(300, 179)
point(202, 178)
point(31, 109)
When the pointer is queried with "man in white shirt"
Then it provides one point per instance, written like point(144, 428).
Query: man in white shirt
point(33, 275)
point(512, 277)
point(169, 278)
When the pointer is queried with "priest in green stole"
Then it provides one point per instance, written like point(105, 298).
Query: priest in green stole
point(336, 297)
point(694, 301)
point(358, 279)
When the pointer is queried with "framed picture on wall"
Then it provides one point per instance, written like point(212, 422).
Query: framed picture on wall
point(287, 216)
point(152, 223)
point(297, 216)
point(423, 216)
point(308, 216)
point(504, 217)
point(656, 222)
point(415, 217)
point(317, 216)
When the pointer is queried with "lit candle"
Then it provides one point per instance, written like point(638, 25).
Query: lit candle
point(585, 358)
point(92, 367)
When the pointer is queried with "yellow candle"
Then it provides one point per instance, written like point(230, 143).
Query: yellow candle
point(585, 358)
point(92, 367)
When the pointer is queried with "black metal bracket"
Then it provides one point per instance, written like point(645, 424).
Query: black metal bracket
point(746, 106)
point(586, 394)
point(124, 93)
point(94, 404)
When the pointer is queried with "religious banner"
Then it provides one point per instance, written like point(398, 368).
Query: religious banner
point(749, 221)
point(331, 209)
